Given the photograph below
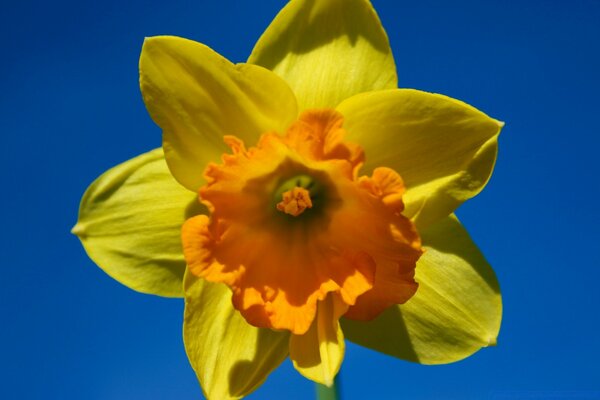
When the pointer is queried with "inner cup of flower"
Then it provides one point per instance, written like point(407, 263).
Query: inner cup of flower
point(296, 184)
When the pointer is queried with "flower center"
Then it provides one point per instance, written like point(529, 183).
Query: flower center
point(295, 195)
point(295, 201)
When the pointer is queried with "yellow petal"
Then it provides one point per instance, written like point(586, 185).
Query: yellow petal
point(231, 358)
point(318, 354)
point(456, 311)
point(327, 51)
point(444, 149)
point(130, 222)
point(196, 96)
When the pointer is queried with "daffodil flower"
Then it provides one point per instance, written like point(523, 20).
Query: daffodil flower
point(310, 199)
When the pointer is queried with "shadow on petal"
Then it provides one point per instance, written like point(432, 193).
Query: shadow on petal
point(313, 17)
point(387, 329)
point(271, 349)
point(195, 208)
point(436, 238)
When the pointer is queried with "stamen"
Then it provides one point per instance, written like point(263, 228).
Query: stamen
point(295, 201)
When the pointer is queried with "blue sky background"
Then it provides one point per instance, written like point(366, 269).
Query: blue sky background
point(70, 108)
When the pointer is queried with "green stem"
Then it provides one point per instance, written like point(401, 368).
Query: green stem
point(329, 393)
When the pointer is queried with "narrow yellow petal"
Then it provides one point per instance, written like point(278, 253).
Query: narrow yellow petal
point(327, 51)
point(444, 149)
point(231, 358)
point(456, 311)
point(130, 222)
point(196, 97)
point(318, 354)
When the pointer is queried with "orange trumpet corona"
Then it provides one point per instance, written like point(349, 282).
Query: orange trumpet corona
point(280, 258)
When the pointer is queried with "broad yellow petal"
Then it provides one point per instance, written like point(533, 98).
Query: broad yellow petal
point(456, 311)
point(196, 96)
point(327, 51)
point(231, 358)
point(130, 222)
point(318, 354)
point(444, 149)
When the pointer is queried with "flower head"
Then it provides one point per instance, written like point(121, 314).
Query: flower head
point(325, 203)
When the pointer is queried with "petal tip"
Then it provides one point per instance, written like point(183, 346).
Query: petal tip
point(78, 230)
point(148, 40)
point(492, 341)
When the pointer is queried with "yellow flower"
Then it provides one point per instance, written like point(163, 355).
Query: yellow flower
point(326, 200)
